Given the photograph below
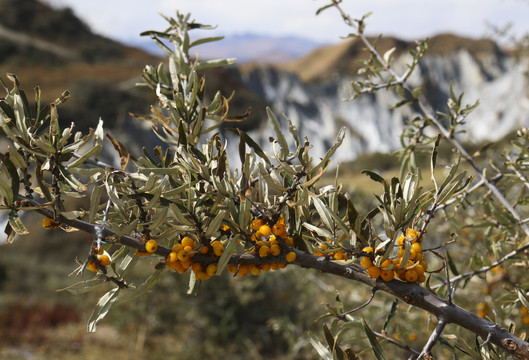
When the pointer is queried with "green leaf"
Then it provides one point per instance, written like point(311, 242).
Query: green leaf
point(214, 225)
point(215, 63)
point(337, 143)
point(13, 174)
point(324, 212)
point(280, 137)
point(229, 250)
point(16, 224)
point(375, 346)
point(324, 353)
point(522, 298)
point(374, 176)
point(103, 306)
point(451, 264)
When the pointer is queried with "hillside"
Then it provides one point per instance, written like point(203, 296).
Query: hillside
point(344, 58)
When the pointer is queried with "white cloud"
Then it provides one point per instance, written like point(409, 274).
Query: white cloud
point(124, 19)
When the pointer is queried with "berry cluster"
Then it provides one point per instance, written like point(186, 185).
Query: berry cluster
point(412, 271)
point(103, 257)
point(327, 250)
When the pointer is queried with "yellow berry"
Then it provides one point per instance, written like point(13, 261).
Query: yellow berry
point(211, 269)
point(265, 230)
point(387, 275)
point(411, 275)
point(172, 257)
point(151, 246)
point(291, 256)
point(400, 240)
point(419, 269)
point(275, 250)
point(264, 251)
point(373, 271)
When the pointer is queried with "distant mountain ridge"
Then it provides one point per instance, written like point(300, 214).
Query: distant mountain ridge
point(246, 48)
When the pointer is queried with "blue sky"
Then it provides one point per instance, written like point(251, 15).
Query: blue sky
point(408, 19)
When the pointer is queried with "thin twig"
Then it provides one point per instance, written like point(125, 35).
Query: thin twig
point(373, 292)
point(426, 350)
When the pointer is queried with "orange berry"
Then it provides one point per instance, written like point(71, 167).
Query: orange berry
point(231, 268)
point(176, 248)
point(243, 270)
point(142, 253)
point(416, 247)
point(187, 241)
point(254, 269)
point(275, 250)
point(278, 229)
point(48, 223)
point(412, 337)
point(368, 250)
point(421, 278)
point(97, 251)
point(411, 275)
point(204, 250)
point(373, 271)
point(211, 269)
point(525, 319)
point(290, 241)
point(400, 240)
point(201, 276)
point(172, 257)
point(151, 246)
point(419, 269)
point(291, 256)
point(281, 265)
point(183, 255)
point(387, 275)
point(366, 262)
point(256, 224)
point(188, 248)
point(218, 250)
point(104, 259)
point(196, 268)
point(266, 267)
point(92, 266)
point(524, 311)
point(274, 266)
point(339, 255)
point(265, 230)
point(386, 263)
point(264, 251)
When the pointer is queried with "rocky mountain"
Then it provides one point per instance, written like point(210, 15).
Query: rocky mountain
point(311, 93)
